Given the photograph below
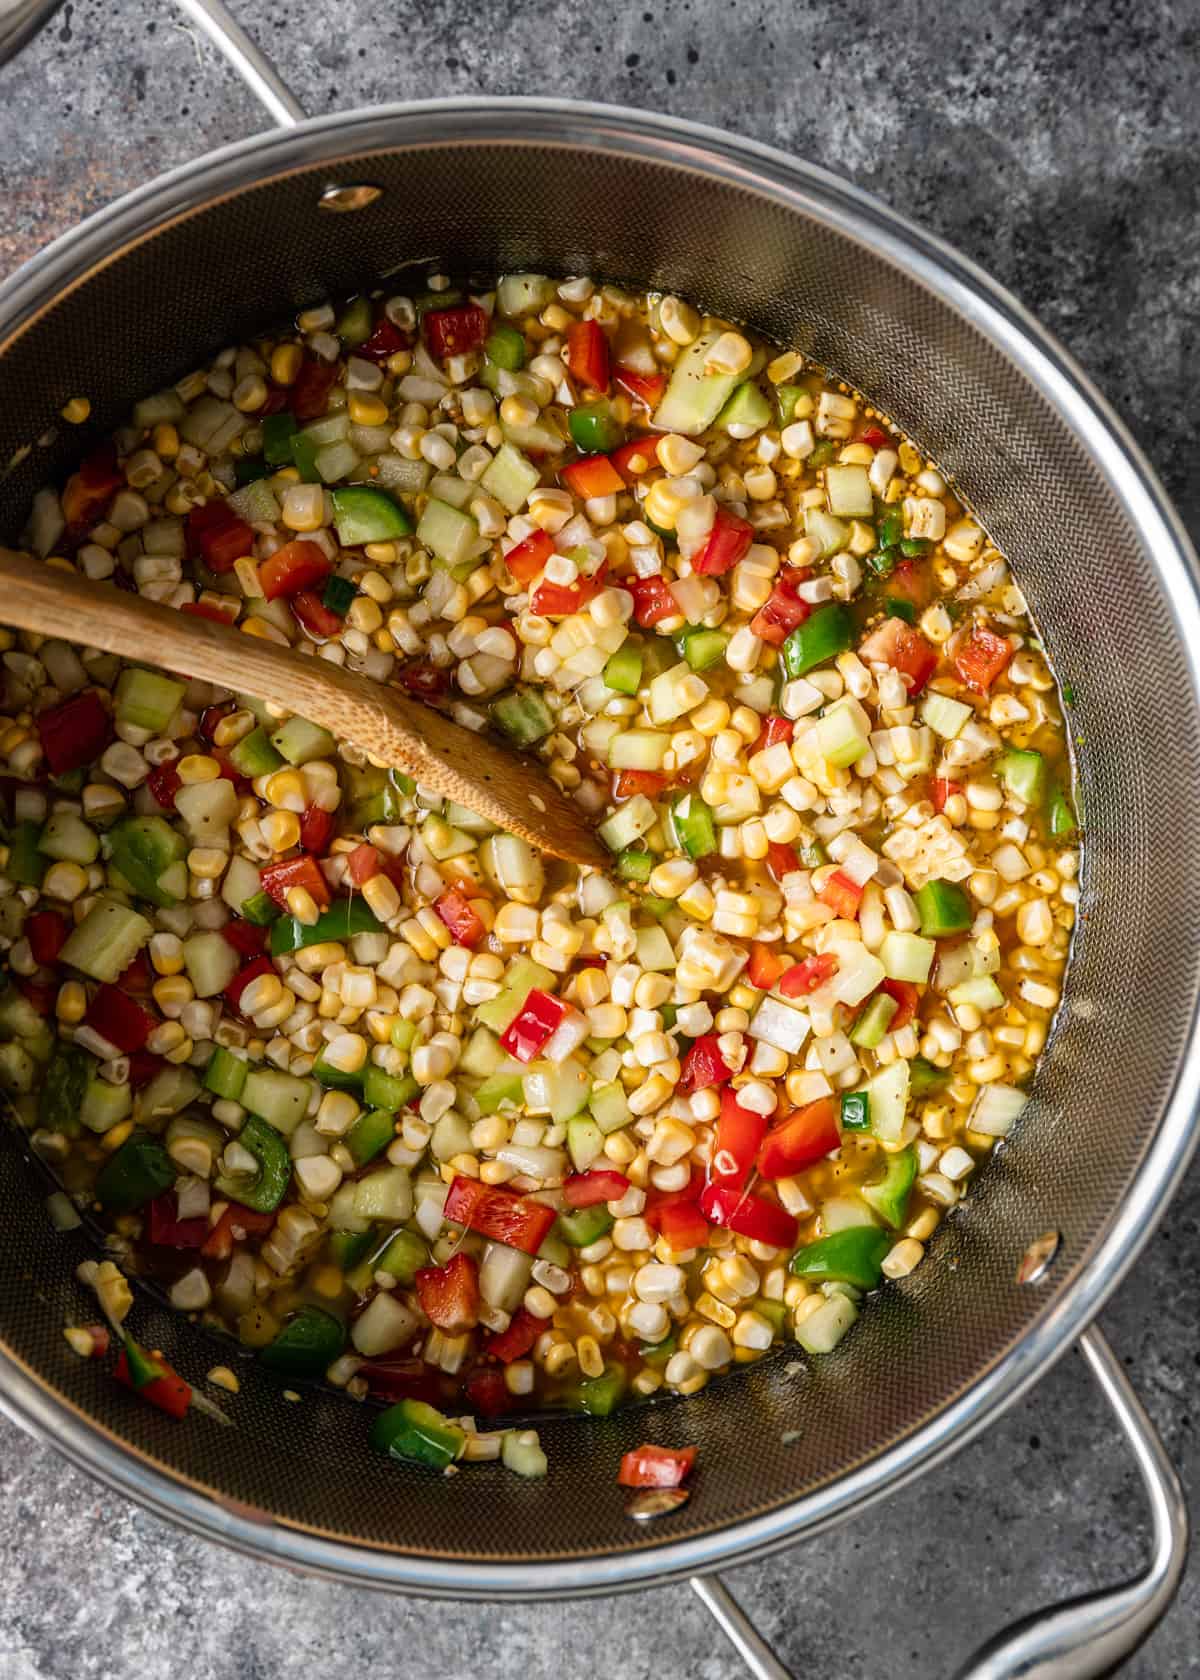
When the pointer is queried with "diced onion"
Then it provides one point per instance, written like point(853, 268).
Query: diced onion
point(995, 1110)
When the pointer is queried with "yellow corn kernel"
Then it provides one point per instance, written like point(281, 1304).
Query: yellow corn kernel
point(716, 1311)
point(303, 906)
point(366, 409)
point(591, 1360)
point(70, 1006)
point(115, 1137)
point(246, 571)
point(165, 441)
point(285, 363)
point(76, 411)
point(197, 767)
point(382, 897)
point(285, 788)
point(281, 830)
point(264, 631)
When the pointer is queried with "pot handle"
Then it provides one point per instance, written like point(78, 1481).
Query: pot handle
point(1083, 1638)
point(255, 69)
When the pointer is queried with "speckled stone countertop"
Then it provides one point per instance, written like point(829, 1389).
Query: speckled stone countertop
point(1054, 144)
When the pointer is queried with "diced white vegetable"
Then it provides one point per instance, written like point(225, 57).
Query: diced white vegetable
point(775, 1022)
point(996, 1109)
point(887, 1094)
point(386, 1323)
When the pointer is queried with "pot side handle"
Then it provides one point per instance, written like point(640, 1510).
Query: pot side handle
point(1083, 1638)
point(20, 21)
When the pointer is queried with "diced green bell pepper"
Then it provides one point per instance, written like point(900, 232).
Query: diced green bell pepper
point(417, 1434)
point(140, 1170)
point(924, 1077)
point(659, 1353)
point(897, 607)
point(1060, 817)
point(854, 1256)
point(339, 595)
point(599, 1396)
point(363, 514)
point(343, 920)
point(225, 1075)
point(354, 323)
point(505, 348)
point(889, 1196)
point(269, 1148)
point(372, 1132)
point(594, 427)
point(868, 1031)
point(583, 1226)
point(786, 398)
point(61, 1095)
point(913, 548)
point(828, 632)
point(633, 865)
point(702, 648)
point(26, 865)
point(260, 909)
point(889, 527)
point(143, 1369)
point(278, 431)
point(944, 909)
point(249, 469)
point(347, 1248)
point(692, 822)
point(822, 454)
point(856, 1111)
point(304, 458)
point(335, 1078)
point(307, 1344)
point(388, 1091)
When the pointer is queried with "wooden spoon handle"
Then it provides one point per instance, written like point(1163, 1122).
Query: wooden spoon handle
point(509, 790)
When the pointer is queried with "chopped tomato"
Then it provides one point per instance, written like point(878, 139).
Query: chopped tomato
point(234, 1226)
point(635, 458)
point(314, 617)
point(165, 1229)
point(765, 966)
point(534, 1025)
point(88, 492)
point(41, 997)
point(247, 939)
point(118, 1019)
point(395, 1378)
point(782, 859)
point(943, 790)
point(218, 535)
point(454, 909)
point(143, 1067)
point(309, 395)
point(164, 783)
point(587, 355)
point(526, 559)
point(518, 1339)
point(739, 1133)
point(602, 1184)
point(449, 1294)
point(75, 732)
point(749, 1216)
point(897, 644)
point(251, 971)
point(316, 829)
point(210, 611)
point(427, 682)
point(363, 864)
point(806, 976)
point(211, 717)
point(906, 996)
point(139, 977)
point(556, 600)
point(646, 387)
point(650, 1466)
point(297, 565)
point(842, 895)
point(726, 544)
point(911, 581)
point(454, 332)
point(704, 1065)
point(631, 782)
point(804, 1138)
point(593, 475)
point(775, 729)
point(46, 932)
point(781, 613)
point(279, 878)
point(652, 600)
point(682, 1226)
point(487, 1391)
point(384, 341)
point(981, 659)
point(874, 436)
point(519, 1221)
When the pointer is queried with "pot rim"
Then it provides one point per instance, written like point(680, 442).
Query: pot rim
point(993, 312)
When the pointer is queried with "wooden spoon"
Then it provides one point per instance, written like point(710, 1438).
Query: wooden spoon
point(505, 787)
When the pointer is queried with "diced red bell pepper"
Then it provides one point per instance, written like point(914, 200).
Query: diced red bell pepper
point(169, 1392)
point(519, 1221)
point(897, 644)
point(297, 565)
point(75, 732)
point(235, 1225)
point(782, 859)
point(682, 1226)
point(252, 970)
point(246, 939)
point(806, 976)
point(117, 1018)
point(210, 611)
point(314, 617)
point(165, 1229)
point(727, 543)
point(316, 829)
point(651, 1466)
point(652, 600)
point(363, 864)
point(454, 332)
point(842, 895)
point(139, 977)
point(907, 997)
point(783, 610)
point(802, 1140)
point(874, 436)
point(88, 492)
point(593, 475)
point(602, 1184)
point(218, 535)
point(279, 878)
point(487, 1391)
point(739, 1133)
point(534, 1025)
point(646, 387)
point(943, 790)
point(556, 600)
point(518, 1339)
point(704, 1065)
point(454, 909)
point(587, 355)
point(46, 932)
point(384, 341)
point(775, 729)
point(143, 1067)
point(765, 966)
point(527, 558)
point(635, 458)
point(402, 1379)
point(750, 1216)
point(651, 783)
point(164, 783)
point(33, 991)
point(981, 659)
point(449, 1294)
point(911, 581)
point(309, 395)
point(427, 682)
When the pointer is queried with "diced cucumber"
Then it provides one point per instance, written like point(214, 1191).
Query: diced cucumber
point(105, 1106)
point(628, 823)
point(523, 294)
point(747, 407)
point(585, 1143)
point(522, 1453)
point(387, 1091)
point(255, 501)
point(63, 1087)
point(623, 673)
point(450, 535)
point(654, 950)
point(887, 1095)
point(609, 1107)
point(541, 435)
point(363, 514)
point(106, 941)
point(240, 881)
point(1023, 773)
point(906, 956)
point(18, 1070)
point(823, 1329)
point(226, 1074)
point(211, 963)
point(873, 1023)
point(946, 717)
point(510, 478)
point(982, 994)
point(354, 323)
point(500, 1090)
point(943, 907)
point(482, 1055)
point(370, 1134)
point(830, 535)
point(147, 699)
point(300, 741)
point(18, 1017)
point(143, 850)
point(843, 733)
point(385, 1323)
point(207, 809)
point(171, 1090)
point(848, 491)
point(332, 428)
point(385, 1194)
point(694, 398)
point(523, 975)
point(448, 487)
point(638, 749)
point(26, 864)
point(402, 1256)
point(69, 839)
point(443, 840)
point(281, 1099)
point(523, 716)
point(254, 756)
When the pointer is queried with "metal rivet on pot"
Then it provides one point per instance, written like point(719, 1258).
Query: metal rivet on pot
point(1038, 1257)
point(656, 1502)
point(341, 200)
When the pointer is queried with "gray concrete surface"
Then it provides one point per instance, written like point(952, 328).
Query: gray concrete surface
point(1057, 145)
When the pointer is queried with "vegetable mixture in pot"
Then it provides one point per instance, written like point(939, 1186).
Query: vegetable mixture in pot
point(379, 1090)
